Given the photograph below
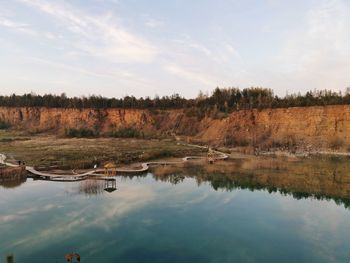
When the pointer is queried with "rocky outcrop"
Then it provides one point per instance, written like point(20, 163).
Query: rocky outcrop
point(309, 126)
point(57, 119)
point(327, 126)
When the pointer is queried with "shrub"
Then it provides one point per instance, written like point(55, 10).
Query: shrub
point(80, 133)
point(126, 133)
point(286, 141)
point(4, 125)
point(336, 143)
point(163, 153)
point(7, 139)
point(191, 112)
point(230, 140)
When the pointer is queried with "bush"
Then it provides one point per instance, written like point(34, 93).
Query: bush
point(80, 133)
point(164, 153)
point(336, 143)
point(191, 112)
point(230, 140)
point(7, 139)
point(4, 125)
point(126, 133)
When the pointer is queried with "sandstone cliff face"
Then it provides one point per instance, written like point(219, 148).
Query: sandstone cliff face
point(317, 126)
point(57, 119)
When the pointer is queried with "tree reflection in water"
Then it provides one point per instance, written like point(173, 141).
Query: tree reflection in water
point(13, 183)
point(319, 178)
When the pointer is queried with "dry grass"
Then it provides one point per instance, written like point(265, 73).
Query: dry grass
point(63, 153)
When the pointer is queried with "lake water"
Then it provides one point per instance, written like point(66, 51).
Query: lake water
point(230, 214)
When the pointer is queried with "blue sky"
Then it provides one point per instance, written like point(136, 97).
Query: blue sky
point(148, 47)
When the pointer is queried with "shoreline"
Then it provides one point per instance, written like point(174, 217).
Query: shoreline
point(304, 153)
point(98, 171)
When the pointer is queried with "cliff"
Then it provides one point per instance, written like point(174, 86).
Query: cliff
point(327, 126)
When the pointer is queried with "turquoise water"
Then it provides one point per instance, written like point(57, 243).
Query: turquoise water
point(149, 220)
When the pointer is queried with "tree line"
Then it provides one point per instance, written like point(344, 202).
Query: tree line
point(62, 101)
point(221, 99)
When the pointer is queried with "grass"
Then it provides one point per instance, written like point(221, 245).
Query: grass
point(50, 152)
point(10, 136)
point(9, 133)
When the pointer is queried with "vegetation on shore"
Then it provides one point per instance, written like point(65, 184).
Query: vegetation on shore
point(50, 152)
point(126, 133)
point(117, 133)
point(79, 133)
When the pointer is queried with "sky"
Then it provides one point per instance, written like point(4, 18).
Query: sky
point(144, 48)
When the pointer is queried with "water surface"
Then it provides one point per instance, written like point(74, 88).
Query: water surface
point(214, 215)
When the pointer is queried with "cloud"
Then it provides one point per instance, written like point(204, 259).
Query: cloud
point(108, 215)
point(305, 50)
point(24, 28)
point(318, 56)
point(321, 223)
point(221, 52)
point(98, 36)
point(72, 68)
point(27, 212)
point(189, 74)
point(121, 76)
point(231, 50)
point(201, 48)
point(152, 23)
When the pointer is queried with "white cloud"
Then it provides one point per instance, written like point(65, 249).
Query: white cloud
point(318, 56)
point(114, 208)
point(98, 36)
point(26, 212)
point(305, 54)
point(24, 28)
point(222, 51)
point(153, 23)
point(231, 50)
point(190, 74)
point(69, 68)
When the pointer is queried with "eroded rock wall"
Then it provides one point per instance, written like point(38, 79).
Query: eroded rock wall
point(317, 126)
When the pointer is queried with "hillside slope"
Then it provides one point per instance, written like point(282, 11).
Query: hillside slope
point(327, 126)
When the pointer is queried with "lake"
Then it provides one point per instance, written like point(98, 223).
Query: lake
point(265, 210)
